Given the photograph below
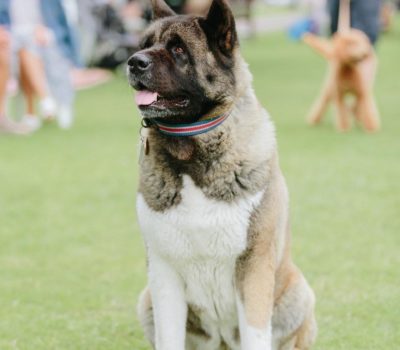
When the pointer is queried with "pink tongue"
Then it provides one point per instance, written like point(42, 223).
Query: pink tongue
point(145, 98)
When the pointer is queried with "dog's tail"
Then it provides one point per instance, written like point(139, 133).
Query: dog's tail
point(344, 16)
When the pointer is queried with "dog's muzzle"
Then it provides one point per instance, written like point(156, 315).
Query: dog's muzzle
point(139, 63)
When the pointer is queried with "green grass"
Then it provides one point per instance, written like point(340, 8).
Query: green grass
point(71, 258)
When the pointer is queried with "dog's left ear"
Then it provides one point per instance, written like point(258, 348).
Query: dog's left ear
point(161, 9)
point(219, 26)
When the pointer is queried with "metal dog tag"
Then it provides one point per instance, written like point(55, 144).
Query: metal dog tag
point(144, 148)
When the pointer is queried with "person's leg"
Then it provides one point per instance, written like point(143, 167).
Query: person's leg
point(32, 67)
point(33, 73)
point(6, 125)
point(333, 7)
point(27, 90)
point(5, 53)
point(30, 118)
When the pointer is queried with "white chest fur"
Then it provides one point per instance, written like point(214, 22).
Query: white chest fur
point(198, 227)
point(201, 239)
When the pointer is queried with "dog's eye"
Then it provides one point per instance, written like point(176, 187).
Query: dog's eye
point(178, 50)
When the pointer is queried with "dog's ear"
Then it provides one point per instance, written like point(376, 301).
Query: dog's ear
point(321, 45)
point(161, 9)
point(219, 26)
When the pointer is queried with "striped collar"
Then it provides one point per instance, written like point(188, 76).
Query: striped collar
point(191, 129)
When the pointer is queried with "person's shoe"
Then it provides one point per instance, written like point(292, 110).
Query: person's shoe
point(32, 122)
point(65, 117)
point(48, 108)
point(8, 126)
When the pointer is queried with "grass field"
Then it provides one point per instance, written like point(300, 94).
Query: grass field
point(71, 257)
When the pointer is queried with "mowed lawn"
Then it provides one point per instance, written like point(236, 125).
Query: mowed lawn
point(72, 261)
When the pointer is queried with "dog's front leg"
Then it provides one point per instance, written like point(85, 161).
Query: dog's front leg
point(255, 304)
point(321, 103)
point(342, 113)
point(169, 306)
point(367, 111)
point(256, 268)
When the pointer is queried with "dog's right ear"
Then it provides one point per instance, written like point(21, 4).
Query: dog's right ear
point(161, 9)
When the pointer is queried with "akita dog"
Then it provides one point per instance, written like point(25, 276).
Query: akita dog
point(212, 202)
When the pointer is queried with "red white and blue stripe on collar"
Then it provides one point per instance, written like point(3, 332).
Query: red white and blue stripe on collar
point(192, 129)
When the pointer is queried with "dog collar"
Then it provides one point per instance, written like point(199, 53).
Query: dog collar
point(191, 129)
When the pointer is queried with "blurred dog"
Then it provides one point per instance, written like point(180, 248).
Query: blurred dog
point(212, 203)
point(352, 69)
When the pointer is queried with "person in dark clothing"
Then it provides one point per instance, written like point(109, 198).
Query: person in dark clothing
point(364, 14)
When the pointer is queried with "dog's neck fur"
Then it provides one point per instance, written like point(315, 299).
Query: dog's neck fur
point(229, 162)
point(203, 148)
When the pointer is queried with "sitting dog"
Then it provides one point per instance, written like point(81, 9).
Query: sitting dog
point(352, 68)
point(212, 202)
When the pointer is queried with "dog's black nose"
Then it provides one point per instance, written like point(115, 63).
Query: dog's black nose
point(139, 62)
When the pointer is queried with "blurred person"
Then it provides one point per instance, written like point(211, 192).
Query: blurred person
point(87, 29)
point(6, 125)
point(33, 83)
point(75, 45)
point(364, 15)
point(19, 22)
point(42, 28)
point(61, 54)
point(23, 20)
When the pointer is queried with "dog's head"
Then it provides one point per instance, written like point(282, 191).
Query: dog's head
point(185, 66)
point(351, 46)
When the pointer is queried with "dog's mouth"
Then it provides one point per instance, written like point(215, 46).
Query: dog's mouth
point(150, 99)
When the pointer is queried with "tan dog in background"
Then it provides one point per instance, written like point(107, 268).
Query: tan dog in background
point(352, 68)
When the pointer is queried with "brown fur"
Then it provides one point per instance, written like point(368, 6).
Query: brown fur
point(352, 67)
point(228, 163)
point(266, 275)
point(220, 173)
